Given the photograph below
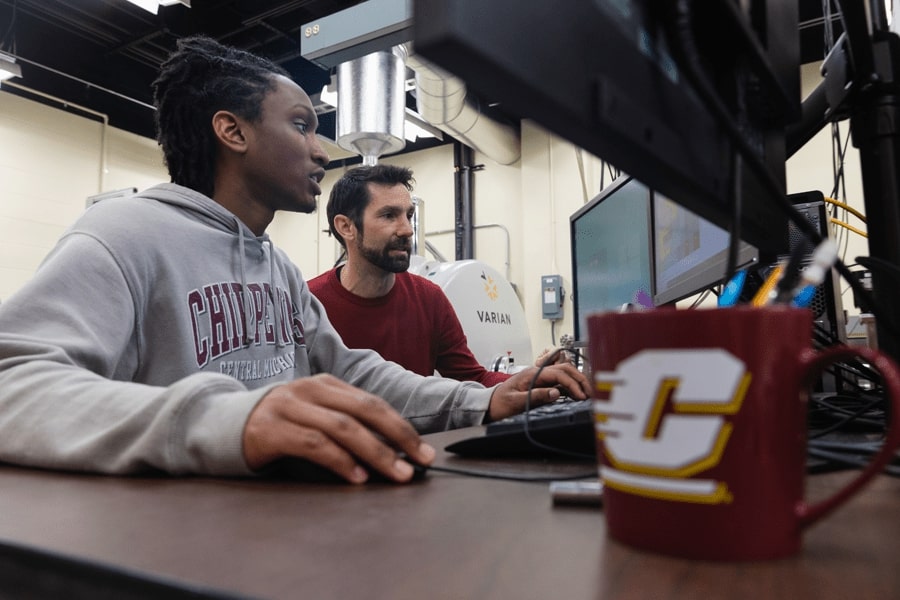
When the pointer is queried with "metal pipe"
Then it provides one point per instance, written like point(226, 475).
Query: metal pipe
point(79, 80)
point(476, 227)
point(462, 163)
point(434, 251)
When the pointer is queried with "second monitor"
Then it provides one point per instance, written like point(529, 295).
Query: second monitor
point(631, 245)
point(690, 254)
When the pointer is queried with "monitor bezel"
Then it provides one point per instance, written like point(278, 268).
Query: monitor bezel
point(605, 193)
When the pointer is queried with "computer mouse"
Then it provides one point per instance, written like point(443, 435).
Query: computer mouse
point(302, 469)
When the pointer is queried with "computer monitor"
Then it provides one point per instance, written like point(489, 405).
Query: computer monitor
point(613, 78)
point(611, 251)
point(690, 254)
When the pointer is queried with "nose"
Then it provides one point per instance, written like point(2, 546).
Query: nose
point(406, 227)
point(319, 155)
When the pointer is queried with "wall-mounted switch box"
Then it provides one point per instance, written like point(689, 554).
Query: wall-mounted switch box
point(552, 297)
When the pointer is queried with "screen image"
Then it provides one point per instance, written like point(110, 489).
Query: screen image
point(611, 251)
point(690, 253)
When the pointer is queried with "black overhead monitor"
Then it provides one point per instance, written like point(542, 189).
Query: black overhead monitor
point(611, 252)
point(615, 78)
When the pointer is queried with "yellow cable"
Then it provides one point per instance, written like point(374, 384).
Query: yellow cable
point(762, 294)
point(848, 226)
point(847, 207)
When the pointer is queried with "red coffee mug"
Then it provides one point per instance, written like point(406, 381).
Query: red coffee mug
point(701, 428)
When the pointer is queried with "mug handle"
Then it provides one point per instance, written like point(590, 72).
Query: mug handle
point(890, 374)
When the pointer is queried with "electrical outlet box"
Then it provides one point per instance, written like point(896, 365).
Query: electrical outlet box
point(552, 297)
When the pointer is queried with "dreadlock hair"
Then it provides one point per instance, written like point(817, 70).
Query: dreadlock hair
point(350, 194)
point(198, 79)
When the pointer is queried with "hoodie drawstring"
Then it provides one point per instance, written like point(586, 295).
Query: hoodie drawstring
point(249, 313)
point(276, 300)
point(248, 300)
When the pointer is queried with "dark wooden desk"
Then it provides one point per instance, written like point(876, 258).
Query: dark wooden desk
point(448, 537)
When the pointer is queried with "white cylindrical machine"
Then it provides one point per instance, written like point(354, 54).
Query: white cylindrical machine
point(488, 310)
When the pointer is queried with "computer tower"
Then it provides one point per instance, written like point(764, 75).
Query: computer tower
point(827, 307)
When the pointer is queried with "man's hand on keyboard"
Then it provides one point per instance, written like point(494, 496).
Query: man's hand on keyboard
point(510, 396)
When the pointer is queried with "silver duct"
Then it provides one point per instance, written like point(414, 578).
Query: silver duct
point(443, 101)
point(372, 104)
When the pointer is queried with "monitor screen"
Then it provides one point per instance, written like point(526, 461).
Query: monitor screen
point(690, 254)
point(611, 251)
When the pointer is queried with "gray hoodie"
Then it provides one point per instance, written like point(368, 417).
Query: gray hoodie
point(154, 327)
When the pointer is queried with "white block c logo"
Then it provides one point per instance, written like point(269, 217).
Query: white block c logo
point(663, 421)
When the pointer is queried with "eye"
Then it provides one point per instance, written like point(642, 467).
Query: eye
point(302, 126)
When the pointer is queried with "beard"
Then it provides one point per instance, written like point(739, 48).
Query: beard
point(382, 257)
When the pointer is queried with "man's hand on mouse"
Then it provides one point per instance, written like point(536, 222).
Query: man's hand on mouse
point(510, 397)
point(336, 425)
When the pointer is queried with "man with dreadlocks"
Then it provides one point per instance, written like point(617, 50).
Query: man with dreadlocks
point(166, 332)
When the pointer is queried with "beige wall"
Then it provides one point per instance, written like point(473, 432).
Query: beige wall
point(50, 161)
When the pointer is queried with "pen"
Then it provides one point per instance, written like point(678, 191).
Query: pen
point(804, 296)
point(813, 275)
point(787, 286)
point(762, 294)
point(732, 291)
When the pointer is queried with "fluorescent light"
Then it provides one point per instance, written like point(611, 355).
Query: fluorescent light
point(415, 127)
point(412, 132)
point(153, 5)
point(9, 68)
point(329, 95)
point(148, 5)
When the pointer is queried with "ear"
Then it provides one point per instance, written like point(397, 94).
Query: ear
point(344, 226)
point(227, 128)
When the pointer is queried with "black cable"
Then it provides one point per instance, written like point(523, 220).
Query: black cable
point(786, 286)
point(861, 447)
point(683, 36)
point(837, 160)
point(515, 476)
point(849, 460)
point(839, 179)
point(550, 359)
point(526, 430)
point(859, 370)
point(845, 420)
point(857, 419)
point(734, 226)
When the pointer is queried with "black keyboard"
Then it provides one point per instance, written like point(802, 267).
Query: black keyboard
point(564, 428)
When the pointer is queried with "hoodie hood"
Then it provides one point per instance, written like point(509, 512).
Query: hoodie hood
point(206, 210)
point(203, 207)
